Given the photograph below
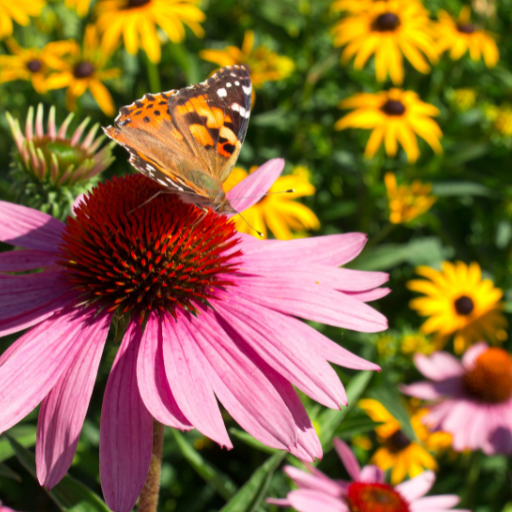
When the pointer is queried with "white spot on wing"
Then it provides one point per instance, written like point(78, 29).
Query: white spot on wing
point(237, 83)
point(222, 93)
point(229, 84)
point(247, 90)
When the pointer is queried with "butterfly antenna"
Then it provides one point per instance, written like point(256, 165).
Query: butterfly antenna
point(252, 227)
point(289, 191)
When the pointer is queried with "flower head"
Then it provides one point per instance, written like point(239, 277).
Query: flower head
point(368, 491)
point(136, 22)
point(81, 6)
point(390, 30)
point(395, 116)
point(82, 69)
point(406, 203)
point(501, 118)
point(279, 212)
point(459, 302)
point(51, 169)
point(404, 456)
point(460, 36)
point(471, 398)
point(211, 315)
point(463, 99)
point(18, 11)
point(264, 65)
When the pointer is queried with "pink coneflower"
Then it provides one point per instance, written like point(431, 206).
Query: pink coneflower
point(5, 509)
point(473, 397)
point(210, 314)
point(367, 493)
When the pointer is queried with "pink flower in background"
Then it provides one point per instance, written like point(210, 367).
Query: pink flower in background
point(219, 310)
point(5, 509)
point(472, 398)
point(366, 493)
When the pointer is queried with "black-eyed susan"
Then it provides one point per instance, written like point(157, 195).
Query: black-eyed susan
point(404, 456)
point(279, 212)
point(462, 99)
point(361, 5)
point(82, 69)
point(407, 202)
point(264, 64)
point(136, 21)
point(500, 118)
point(459, 303)
point(32, 64)
point(416, 343)
point(51, 169)
point(391, 30)
point(18, 11)
point(396, 116)
point(460, 35)
point(80, 6)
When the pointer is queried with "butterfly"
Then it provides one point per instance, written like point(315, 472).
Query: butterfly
point(188, 140)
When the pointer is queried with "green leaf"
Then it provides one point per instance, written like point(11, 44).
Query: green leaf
point(330, 420)
point(251, 441)
point(215, 478)
point(23, 434)
point(250, 496)
point(460, 188)
point(7, 472)
point(356, 426)
point(69, 494)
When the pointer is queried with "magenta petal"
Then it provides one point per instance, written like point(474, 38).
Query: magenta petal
point(425, 390)
point(313, 482)
point(153, 384)
point(188, 374)
point(126, 429)
point(371, 475)
point(272, 501)
point(19, 261)
point(370, 295)
point(443, 502)
point(35, 363)
point(417, 486)
point(25, 227)
point(63, 410)
point(439, 366)
point(305, 500)
point(255, 185)
point(469, 357)
point(348, 458)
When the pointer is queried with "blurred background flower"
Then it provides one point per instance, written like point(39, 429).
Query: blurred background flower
point(18, 11)
point(81, 6)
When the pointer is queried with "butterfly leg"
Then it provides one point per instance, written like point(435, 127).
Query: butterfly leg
point(150, 199)
point(205, 213)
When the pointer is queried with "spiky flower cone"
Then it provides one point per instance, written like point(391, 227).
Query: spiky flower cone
point(49, 170)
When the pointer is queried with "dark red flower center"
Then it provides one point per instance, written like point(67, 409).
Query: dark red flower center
point(386, 22)
point(165, 254)
point(464, 305)
point(83, 69)
point(466, 28)
point(34, 65)
point(393, 108)
point(137, 3)
point(363, 497)
point(397, 442)
point(490, 379)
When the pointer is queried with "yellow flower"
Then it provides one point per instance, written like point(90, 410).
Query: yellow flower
point(19, 11)
point(82, 69)
point(136, 21)
point(463, 99)
point(416, 343)
point(264, 64)
point(279, 212)
point(397, 452)
point(81, 6)
point(390, 30)
point(31, 64)
point(362, 5)
point(406, 202)
point(458, 302)
point(461, 35)
point(501, 118)
point(433, 441)
point(395, 116)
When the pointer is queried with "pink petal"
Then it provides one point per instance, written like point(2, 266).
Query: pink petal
point(312, 482)
point(501, 440)
point(312, 302)
point(348, 458)
point(443, 502)
point(469, 357)
point(271, 501)
point(427, 390)
point(244, 390)
point(19, 261)
point(255, 185)
point(371, 295)
point(63, 410)
point(313, 501)
point(439, 366)
point(189, 378)
point(24, 380)
point(24, 227)
point(126, 429)
point(417, 486)
point(277, 340)
point(153, 384)
point(371, 475)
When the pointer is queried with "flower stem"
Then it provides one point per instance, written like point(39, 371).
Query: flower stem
point(148, 499)
point(153, 77)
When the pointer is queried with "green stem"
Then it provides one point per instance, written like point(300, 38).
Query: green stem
point(153, 77)
point(381, 235)
point(148, 499)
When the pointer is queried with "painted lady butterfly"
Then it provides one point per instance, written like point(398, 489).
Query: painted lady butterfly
point(188, 140)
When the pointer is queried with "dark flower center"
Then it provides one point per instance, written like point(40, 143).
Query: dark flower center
point(34, 65)
point(490, 380)
point(83, 69)
point(466, 28)
point(393, 108)
point(464, 305)
point(386, 22)
point(397, 442)
point(137, 3)
point(363, 497)
point(165, 254)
